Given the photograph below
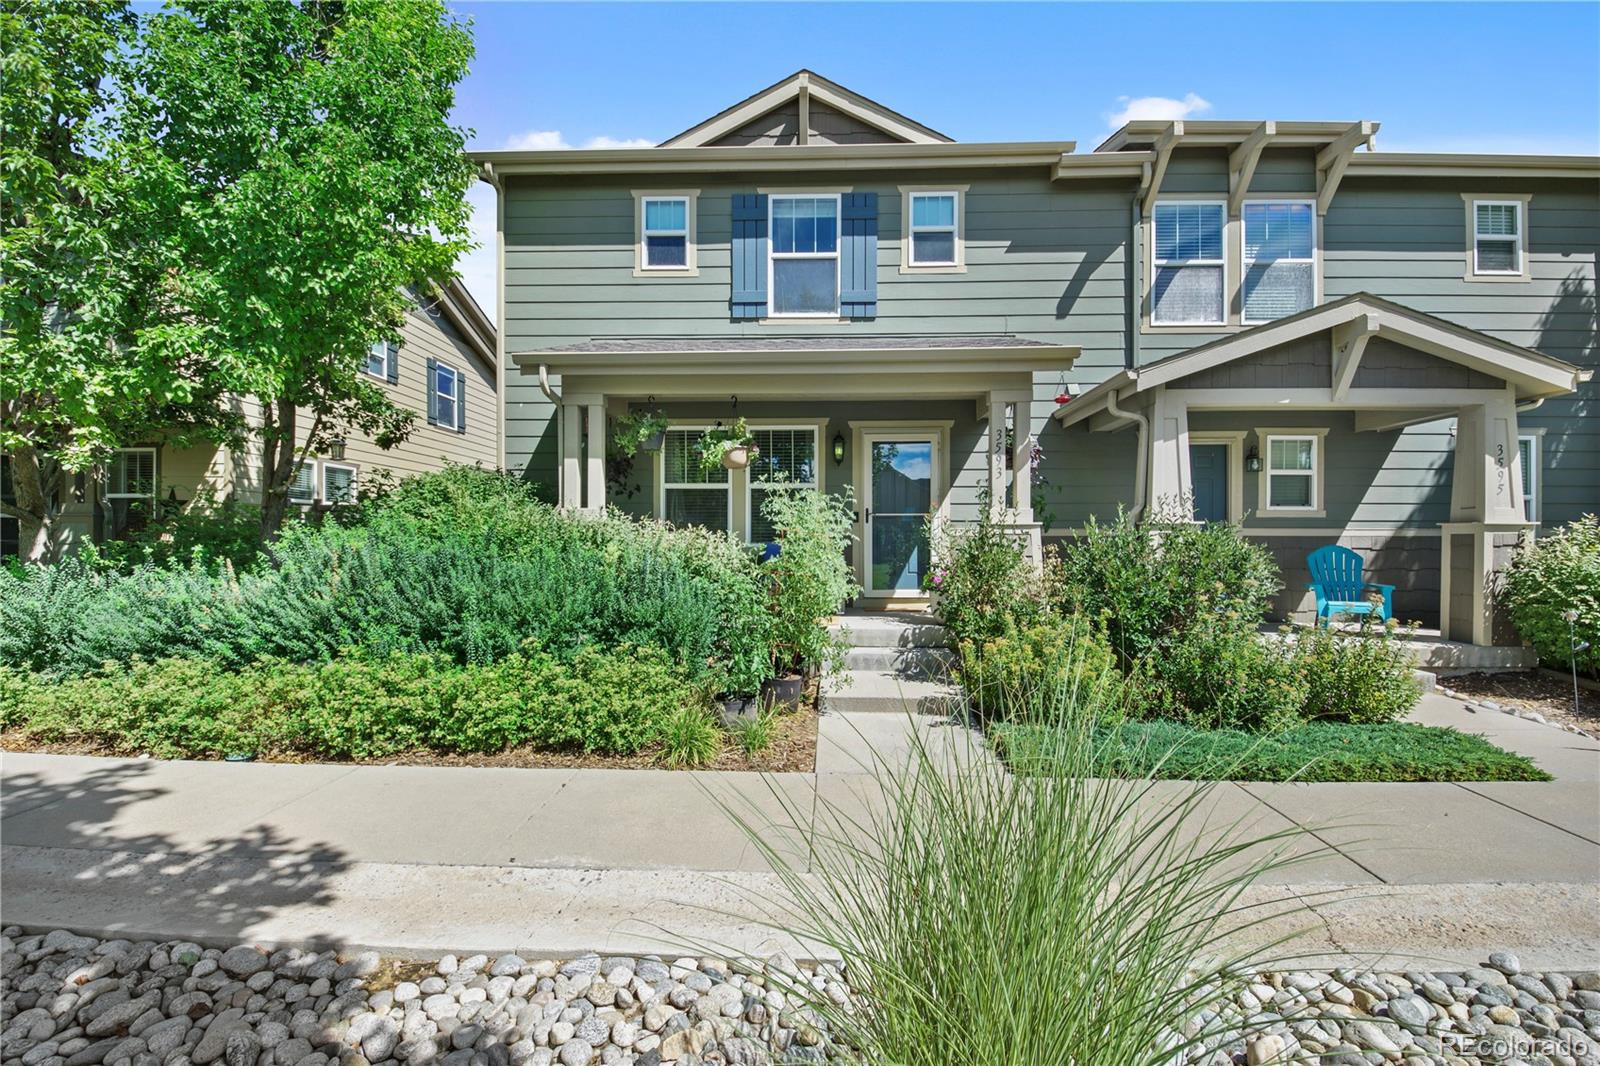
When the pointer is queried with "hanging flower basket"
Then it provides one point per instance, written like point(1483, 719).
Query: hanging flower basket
point(641, 431)
point(729, 447)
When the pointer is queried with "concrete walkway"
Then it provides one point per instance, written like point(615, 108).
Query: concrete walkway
point(557, 861)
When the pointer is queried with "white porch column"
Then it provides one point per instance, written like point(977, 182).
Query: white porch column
point(1170, 480)
point(595, 475)
point(1486, 520)
point(997, 456)
point(1021, 457)
point(571, 448)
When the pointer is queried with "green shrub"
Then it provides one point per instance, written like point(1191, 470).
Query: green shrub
point(810, 578)
point(1365, 677)
point(1038, 668)
point(1151, 582)
point(982, 580)
point(1549, 578)
point(206, 532)
point(609, 702)
point(1218, 673)
point(1317, 751)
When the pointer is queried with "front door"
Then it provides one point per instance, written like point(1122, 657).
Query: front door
point(900, 498)
point(1208, 467)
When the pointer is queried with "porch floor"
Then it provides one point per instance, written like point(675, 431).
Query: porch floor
point(1431, 651)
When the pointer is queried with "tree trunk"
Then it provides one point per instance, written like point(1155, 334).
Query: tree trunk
point(36, 481)
point(277, 466)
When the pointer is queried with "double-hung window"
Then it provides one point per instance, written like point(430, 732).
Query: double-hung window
point(1291, 472)
point(1497, 237)
point(378, 356)
point(1188, 281)
point(690, 494)
point(338, 483)
point(664, 232)
point(932, 231)
point(303, 486)
point(1280, 259)
point(132, 475)
point(787, 459)
point(805, 256)
point(446, 387)
point(1528, 449)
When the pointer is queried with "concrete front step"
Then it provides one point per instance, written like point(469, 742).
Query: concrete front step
point(885, 691)
point(929, 664)
point(892, 631)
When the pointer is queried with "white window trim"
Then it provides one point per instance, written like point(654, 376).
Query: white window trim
point(322, 480)
point(908, 193)
point(1531, 503)
point(691, 267)
point(1150, 288)
point(662, 484)
point(1522, 201)
point(1315, 260)
point(316, 484)
point(773, 255)
point(455, 396)
point(381, 375)
point(151, 495)
point(751, 484)
point(1318, 438)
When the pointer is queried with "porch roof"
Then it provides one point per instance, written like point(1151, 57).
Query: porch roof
point(915, 365)
point(1352, 320)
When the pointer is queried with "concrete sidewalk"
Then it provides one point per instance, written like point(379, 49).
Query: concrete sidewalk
point(423, 858)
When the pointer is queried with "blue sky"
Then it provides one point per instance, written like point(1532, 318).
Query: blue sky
point(1472, 77)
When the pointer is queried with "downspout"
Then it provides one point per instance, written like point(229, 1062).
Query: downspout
point(1135, 275)
point(544, 385)
point(1140, 461)
point(1531, 405)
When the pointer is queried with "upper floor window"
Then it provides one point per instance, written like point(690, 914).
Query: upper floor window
point(132, 474)
point(1280, 259)
point(666, 232)
point(934, 239)
point(381, 359)
point(1188, 281)
point(1497, 237)
point(446, 397)
point(804, 278)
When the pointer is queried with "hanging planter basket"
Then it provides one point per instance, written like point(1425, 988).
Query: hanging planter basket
point(653, 442)
point(729, 447)
point(736, 458)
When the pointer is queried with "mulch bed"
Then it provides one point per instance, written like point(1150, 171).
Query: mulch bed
point(793, 750)
point(1532, 690)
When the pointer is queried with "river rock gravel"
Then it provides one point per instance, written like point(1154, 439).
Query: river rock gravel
point(71, 1000)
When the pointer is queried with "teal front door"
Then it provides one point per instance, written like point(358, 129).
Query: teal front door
point(899, 501)
point(1208, 468)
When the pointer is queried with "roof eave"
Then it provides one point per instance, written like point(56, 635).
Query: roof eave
point(820, 361)
point(773, 157)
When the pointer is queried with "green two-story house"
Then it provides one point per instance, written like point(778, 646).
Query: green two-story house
point(1262, 322)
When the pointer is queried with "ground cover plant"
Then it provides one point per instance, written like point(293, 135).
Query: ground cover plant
point(456, 614)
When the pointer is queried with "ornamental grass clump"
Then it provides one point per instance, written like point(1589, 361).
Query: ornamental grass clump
point(986, 918)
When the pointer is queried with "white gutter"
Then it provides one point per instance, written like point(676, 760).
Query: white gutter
point(1140, 461)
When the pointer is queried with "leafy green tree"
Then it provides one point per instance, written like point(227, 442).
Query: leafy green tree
point(327, 183)
point(96, 350)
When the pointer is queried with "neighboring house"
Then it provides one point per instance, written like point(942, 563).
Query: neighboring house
point(1258, 319)
point(443, 368)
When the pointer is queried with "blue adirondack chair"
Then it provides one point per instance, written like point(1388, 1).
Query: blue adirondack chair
point(1336, 579)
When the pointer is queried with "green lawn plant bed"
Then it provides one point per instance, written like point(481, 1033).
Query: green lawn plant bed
point(1319, 751)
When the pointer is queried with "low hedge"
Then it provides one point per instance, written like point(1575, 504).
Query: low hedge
point(616, 702)
point(1320, 751)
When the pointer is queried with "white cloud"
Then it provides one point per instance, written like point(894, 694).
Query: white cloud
point(479, 267)
point(1157, 107)
point(552, 141)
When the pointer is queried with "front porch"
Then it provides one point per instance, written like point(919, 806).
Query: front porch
point(1294, 430)
point(918, 429)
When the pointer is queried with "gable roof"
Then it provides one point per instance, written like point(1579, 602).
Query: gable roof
point(456, 304)
point(1533, 374)
point(803, 86)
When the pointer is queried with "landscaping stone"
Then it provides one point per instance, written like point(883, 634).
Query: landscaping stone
point(76, 1001)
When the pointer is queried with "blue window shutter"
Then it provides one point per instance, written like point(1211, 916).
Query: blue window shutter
point(392, 371)
point(461, 402)
point(431, 387)
point(858, 255)
point(749, 256)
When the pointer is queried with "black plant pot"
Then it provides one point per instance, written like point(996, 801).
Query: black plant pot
point(653, 442)
point(784, 693)
point(732, 710)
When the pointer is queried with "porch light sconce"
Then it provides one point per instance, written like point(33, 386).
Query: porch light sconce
point(336, 450)
point(838, 449)
point(1252, 461)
